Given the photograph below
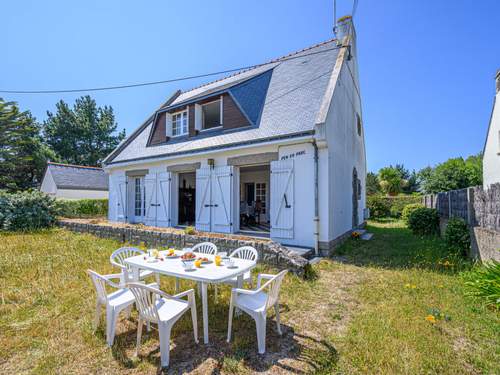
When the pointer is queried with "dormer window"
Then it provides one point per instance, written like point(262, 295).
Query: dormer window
point(211, 114)
point(179, 123)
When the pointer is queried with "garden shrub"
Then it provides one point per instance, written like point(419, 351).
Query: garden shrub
point(379, 206)
point(82, 207)
point(27, 210)
point(457, 236)
point(189, 230)
point(484, 282)
point(424, 221)
point(408, 209)
point(385, 206)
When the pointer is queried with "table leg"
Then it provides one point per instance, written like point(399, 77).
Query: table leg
point(204, 302)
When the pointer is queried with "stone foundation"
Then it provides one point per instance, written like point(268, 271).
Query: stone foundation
point(269, 252)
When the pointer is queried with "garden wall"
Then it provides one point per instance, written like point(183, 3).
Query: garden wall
point(269, 252)
point(480, 208)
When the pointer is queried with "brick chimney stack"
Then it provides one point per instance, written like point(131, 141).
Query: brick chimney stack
point(497, 79)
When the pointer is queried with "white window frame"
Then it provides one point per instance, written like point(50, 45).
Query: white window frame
point(184, 116)
point(221, 104)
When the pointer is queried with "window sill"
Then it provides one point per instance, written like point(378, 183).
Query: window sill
point(210, 129)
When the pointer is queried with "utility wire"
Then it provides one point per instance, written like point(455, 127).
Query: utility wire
point(185, 78)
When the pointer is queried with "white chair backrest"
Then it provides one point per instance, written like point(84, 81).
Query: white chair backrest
point(118, 257)
point(99, 282)
point(205, 248)
point(273, 286)
point(245, 252)
point(145, 300)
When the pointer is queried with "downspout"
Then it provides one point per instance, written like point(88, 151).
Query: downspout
point(316, 199)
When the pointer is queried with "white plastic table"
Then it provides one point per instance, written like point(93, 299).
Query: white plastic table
point(208, 274)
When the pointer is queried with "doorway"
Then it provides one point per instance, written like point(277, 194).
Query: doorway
point(254, 199)
point(187, 199)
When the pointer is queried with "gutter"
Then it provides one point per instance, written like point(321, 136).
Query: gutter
point(316, 199)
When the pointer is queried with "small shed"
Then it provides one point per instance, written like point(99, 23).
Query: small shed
point(74, 181)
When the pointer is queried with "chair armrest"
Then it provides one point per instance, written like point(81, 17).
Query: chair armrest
point(244, 291)
point(113, 276)
point(121, 266)
point(263, 276)
point(184, 294)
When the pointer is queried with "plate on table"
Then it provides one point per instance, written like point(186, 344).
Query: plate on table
point(173, 256)
point(205, 261)
point(151, 260)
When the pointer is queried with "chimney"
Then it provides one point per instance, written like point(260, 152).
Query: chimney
point(497, 79)
point(343, 28)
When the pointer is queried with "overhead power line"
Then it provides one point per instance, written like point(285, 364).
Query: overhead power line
point(185, 78)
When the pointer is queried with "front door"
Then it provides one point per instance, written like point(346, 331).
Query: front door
point(139, 200)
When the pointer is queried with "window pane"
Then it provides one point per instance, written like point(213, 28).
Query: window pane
point(211, 115)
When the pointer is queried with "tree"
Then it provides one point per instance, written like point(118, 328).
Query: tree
point(372, 184)
point(391, 180)
point(23, 155)
point(453, 174)
point(84, 134)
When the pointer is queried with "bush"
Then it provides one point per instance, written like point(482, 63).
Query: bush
point(27, 210)
point(379, 206)
point(82, 207)
point(384, 206)
point(484, 282)
point(424, 221)
point(408, 209)
point(457, 236)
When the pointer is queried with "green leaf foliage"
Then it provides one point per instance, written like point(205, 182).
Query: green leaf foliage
point(82, 207)
point(408, 209)
point(457, 236)
point(484, 282)
point(27, 210)
point(84, 134)
point(386, 206)
point(453, 174)
point(23, 155)
point(424, 221)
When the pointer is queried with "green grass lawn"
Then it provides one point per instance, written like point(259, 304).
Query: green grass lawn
point(364, 313)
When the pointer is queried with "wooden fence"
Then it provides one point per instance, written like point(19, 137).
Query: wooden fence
point(478, 207)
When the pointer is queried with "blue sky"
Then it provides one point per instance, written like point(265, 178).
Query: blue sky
point(426, 66)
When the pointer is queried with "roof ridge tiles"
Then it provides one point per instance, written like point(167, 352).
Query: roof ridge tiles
point(73, 165)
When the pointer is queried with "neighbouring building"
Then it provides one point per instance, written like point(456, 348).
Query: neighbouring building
point(277, 150)
point(74, 181)
point(491, 151)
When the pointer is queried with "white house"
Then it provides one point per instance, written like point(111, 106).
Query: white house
point(74, 181)
point(491, 151)
point(276, 150)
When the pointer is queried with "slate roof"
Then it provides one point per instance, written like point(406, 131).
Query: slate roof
point(76, 177)
point(291, 89)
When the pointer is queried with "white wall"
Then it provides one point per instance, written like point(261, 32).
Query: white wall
point(81, 194)
point(491, 156)
point(346, 150)
point(48, 185)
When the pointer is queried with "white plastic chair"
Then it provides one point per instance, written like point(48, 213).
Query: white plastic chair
point(245, 252)
point(156, 306)
point(205, 248)
point(256, 303)
point(117, 259)
point(115, 302)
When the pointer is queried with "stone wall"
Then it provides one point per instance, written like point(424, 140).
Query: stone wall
point(480, 208)
point(269, 252)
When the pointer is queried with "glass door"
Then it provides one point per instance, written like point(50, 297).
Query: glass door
point(139, 200)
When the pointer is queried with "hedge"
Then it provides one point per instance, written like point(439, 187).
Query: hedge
point(385, 206)
point(82, 207)
point(27, 210)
